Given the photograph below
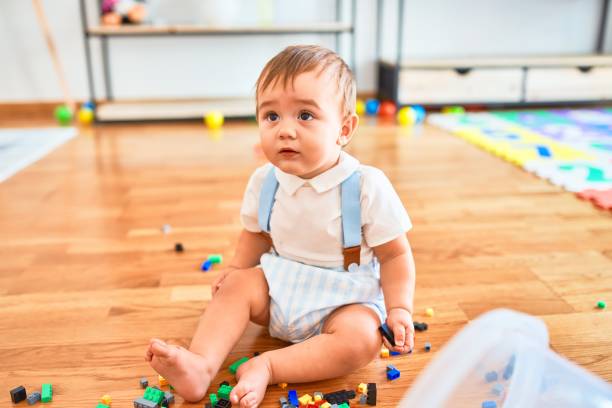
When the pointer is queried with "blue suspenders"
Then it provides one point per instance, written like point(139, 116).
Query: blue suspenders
point(350, 198)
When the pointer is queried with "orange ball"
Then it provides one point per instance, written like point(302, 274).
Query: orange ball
point(111, 19)
point(387, 109)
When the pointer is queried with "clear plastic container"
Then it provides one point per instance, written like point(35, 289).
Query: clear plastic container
point(502, 358)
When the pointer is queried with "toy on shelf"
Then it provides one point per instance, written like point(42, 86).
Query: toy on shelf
point(372, 106)
point(360, 107)
point(387, 109)
point(117, 12)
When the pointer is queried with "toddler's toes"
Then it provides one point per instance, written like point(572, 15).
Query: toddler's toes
point(249, 400)
point(238, 392)
point(160, 349)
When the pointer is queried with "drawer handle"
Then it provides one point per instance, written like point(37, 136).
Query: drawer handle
point(463, 70)
point(585, 68)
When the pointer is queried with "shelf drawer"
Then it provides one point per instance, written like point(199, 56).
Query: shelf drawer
point(568, 84)
point(446, 86)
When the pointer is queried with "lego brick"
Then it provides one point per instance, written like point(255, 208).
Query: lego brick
point(215, 258)
point(145, 403)
point(282, 385)
point(491, 376)
point(498, 389)
point(305, 399)
point(106, 399)
point(362, 388)
point(144, 383)
point(223, 383)
point(154, 394)
point(363, 399)
point(224, 392)
point(384, 352)
point(338, 397)
point(429, 312)
point(168, 398)
point(46, 394)
point(213, 399)
point(393, 375)
point(33, 398)
point(162, 381)
point(427, 346)
point(372, 394)
point(387, 333)
point(489, 404)
point(18, 394)
point(326, 405)
point(206, 265)
point(178, 247)
point(293, 399)
point(234, 367)
point(101, 405)
point(223, 403)
point(283, 401)
point(394, 353)
point(420, 326)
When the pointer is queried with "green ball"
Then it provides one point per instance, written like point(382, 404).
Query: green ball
point(601, 304)
point(63, 115)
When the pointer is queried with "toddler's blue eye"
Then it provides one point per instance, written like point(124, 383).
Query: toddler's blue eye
point(306, 116)
point(272, 117)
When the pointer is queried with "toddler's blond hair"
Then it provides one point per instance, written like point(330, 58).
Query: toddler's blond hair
point(298, 59)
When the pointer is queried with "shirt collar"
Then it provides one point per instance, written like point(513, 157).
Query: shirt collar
point(324, 181)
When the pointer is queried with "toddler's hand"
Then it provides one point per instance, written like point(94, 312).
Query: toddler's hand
point(219, 281)
point(399, 321)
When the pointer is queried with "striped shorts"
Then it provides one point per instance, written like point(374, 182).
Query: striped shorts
point(303, 296)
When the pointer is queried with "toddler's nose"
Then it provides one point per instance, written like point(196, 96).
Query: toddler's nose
point(287, 132)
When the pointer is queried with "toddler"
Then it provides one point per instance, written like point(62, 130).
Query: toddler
point(323, 258)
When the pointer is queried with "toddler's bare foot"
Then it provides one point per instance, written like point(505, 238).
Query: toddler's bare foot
point(253, 377)
point(189, 373)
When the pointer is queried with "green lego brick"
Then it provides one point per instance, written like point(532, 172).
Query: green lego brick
point(224, 391)
point(46, 394)
point(234, 367)
point(213, 399)
point(101, 405)
point(343, 405)
point(154, 395)
point(215, 258)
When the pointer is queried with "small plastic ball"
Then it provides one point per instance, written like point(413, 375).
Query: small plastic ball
point(406, 116)
point(360, 107)
point(387, 109)
point(453, 109)
point(372, 106)
point(63, 115)
point(86, 116)
point(420, 113)
point(214, 119)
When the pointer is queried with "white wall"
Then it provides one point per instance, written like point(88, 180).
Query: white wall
point(228, 66)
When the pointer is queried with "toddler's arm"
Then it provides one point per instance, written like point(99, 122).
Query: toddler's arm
point(397, 278)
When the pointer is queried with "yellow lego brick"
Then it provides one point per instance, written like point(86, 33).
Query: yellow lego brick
point(317, 398)
point(363, 388)
point(106, 399)
point(282, 385)
point(325, 405)
point(162, 380)
point(384, 352)
point(305, 399)
point(429, 312)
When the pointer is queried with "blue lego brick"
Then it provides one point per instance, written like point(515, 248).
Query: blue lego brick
point(393, 374)
point(394, 353)
point(206, 265)
point(489, 404)
point(491, 376)
point(293, 398)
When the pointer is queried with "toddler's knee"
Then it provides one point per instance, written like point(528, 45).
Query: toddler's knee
point(364, 348)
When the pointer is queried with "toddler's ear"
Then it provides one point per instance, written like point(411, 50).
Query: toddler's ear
point(348, 129)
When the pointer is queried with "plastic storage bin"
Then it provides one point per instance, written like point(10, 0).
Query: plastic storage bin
point(502, 359)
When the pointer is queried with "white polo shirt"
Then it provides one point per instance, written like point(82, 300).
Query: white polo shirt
point(306, 221)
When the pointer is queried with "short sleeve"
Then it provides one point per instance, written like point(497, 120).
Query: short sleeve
point(250, 201)
point(383, 215)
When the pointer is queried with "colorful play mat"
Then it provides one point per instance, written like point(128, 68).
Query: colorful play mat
point(571, 148)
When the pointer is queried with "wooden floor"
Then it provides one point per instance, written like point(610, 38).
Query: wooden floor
point(87, 276)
